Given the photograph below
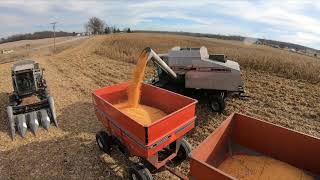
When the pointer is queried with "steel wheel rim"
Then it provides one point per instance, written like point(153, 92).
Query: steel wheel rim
point(100, 143)
point(134, 176)
point(215, 106)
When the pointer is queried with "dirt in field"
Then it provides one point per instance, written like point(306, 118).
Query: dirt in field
point(33, 43)
point(30, 100)
point(35, 48)
point(70, 152)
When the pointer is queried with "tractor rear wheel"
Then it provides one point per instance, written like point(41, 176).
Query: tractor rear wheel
point(139, 172)
point(103, 141)
point(183, 152)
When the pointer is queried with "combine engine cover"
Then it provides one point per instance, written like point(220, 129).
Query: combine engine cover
point(204, 71)
point(30, 105)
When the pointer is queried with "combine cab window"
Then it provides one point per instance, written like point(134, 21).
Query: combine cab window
point(25, 83)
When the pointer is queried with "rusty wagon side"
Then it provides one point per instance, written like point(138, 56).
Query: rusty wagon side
point(146, 141)
point(244, 134)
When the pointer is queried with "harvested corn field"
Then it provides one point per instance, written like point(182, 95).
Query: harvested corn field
point(286, 96)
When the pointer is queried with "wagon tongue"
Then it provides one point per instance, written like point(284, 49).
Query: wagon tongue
point(22, 124)
point(33, 122)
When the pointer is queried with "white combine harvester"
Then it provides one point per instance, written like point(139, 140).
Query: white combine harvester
point(194, 72)
point(30, 104)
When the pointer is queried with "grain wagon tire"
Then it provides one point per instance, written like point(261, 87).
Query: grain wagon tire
point(139, 172)
point(103, 141)
point(183, 152)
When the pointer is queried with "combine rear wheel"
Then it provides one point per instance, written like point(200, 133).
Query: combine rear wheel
point(217, 103)
point(103, 141)
point(139, 172)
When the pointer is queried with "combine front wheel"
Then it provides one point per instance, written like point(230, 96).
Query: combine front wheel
point(217, 103)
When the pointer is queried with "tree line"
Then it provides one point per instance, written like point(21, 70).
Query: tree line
point(98, 26)
point(35, 35)
point(93, 26)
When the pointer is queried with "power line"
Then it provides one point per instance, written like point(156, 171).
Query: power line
point(54, 35)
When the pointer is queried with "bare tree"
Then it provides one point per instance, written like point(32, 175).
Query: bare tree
point(95, 25)
point(107, 30)
point(114, 29)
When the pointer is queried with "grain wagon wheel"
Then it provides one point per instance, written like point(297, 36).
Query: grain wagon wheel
point(139, 172)
point(183, 152)
point(103, 141)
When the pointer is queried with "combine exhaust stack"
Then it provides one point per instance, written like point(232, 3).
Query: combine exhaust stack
point(28, 83)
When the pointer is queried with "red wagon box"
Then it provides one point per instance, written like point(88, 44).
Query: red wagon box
point(144, 141)
point(245, 135)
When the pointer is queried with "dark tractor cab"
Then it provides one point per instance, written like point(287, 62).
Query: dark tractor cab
point(27, 79)
point(24, 82)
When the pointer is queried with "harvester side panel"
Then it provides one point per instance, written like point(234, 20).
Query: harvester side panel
point(214, 79)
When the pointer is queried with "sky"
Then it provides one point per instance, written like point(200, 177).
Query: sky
point(292, 21)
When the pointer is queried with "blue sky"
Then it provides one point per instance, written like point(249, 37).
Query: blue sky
point(292, 21)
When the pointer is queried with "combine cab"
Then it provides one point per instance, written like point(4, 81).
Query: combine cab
point(200, 74)
point(30, 105)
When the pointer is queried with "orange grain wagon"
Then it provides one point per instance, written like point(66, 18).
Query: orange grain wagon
point(240, 134)
point(159, 142)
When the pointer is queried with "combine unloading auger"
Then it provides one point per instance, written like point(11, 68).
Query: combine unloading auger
point(30, 105)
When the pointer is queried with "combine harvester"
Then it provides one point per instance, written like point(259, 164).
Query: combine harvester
point(30, 104)
point(200, 74)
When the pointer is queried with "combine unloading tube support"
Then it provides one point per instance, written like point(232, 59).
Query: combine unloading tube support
point(155, 58)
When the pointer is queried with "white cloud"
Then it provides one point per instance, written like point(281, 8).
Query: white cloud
point(273, 19)
point(307, 39)
point(35, 6)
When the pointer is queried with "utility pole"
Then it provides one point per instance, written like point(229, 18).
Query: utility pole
point(54, 35)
